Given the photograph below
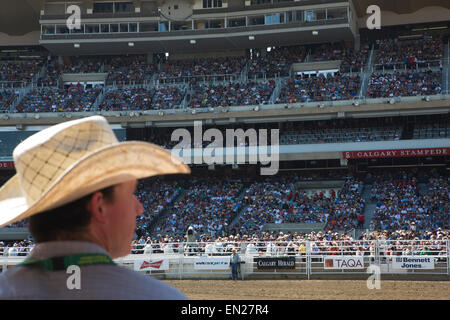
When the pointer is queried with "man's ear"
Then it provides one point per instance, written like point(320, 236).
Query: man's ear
point(97, 206)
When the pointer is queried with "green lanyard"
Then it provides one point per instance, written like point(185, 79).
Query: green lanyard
point(62, 263)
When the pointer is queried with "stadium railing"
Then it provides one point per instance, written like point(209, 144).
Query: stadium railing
point(299, 258)
point(321, 104)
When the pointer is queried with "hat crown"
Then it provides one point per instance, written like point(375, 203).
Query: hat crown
point(42, 158)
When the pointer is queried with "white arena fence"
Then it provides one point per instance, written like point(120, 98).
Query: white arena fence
point(302, 259)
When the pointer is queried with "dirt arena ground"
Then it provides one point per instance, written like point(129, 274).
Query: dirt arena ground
point(310, 290)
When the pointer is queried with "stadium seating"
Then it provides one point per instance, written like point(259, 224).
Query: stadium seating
point(6, 98)
point(73, 99)
point(303, 89)
point(402, 205)
point(432, 131)
point(233, 94)
point(275, 63)
point(207, 205)
point(410, 54)
point(19, 71)
point(203, 69)
point(335, 135)
point(142, 99)
point(399, 84)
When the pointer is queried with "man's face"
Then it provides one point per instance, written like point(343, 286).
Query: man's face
point(123, 211)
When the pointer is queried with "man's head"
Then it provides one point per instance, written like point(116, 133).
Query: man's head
point(106, 217)
point(65, 166)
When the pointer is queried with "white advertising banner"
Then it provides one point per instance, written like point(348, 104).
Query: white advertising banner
point(412, 262)
point(212, 263)
point(151, 265)
point(343, 262)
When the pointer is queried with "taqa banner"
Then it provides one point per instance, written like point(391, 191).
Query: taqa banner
point(7, 165)
point(344, 262)
point(151, 265)
point(275, 263)
point(212, 263)
point(412, 262)
point(404, 153)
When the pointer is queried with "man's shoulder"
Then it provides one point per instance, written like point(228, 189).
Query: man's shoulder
point(96, 282)
point(141, 286)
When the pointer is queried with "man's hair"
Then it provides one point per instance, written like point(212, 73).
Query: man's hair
point(65, 222)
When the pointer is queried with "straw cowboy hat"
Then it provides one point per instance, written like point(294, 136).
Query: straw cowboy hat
point(72, 159)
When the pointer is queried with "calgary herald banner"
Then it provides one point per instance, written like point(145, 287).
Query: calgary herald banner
point(275, 263)
point(403, 153)
point(151, 265)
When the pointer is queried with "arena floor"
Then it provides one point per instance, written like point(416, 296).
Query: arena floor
point(310, 290)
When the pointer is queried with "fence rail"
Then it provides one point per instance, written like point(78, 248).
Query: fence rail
point(298, 259)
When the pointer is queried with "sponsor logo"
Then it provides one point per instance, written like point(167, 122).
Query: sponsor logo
point(216, 263)
point(413, 263)
point(369, 154)
point(154, 265)
point(343, 263)
point(275, 263)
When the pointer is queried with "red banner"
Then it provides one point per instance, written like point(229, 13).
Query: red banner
point(401, 153)
point(6, 164)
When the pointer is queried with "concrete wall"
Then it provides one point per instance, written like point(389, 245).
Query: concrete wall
point(28, 39)
point(428, 14)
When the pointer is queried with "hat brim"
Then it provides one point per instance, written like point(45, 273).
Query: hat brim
point(103, 168)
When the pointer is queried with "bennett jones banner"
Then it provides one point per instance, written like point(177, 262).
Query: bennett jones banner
point(275, 263)
point(371, 154)
point(151, 265)
point(412, 262)
point(340, 263)
point(212, 263)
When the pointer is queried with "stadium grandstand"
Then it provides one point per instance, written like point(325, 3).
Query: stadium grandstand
point(357, 120)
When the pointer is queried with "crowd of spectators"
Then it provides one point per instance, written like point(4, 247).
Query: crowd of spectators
point(405, 210)
point(129, 69)
point(232, 94)
point(281, 201)
point(424, 52)
point(168, 97)
point(327, 52)
point(276, 62)
point(320, 88)
point(22, 71)
point(437, 130)
point(336, 135)
point(351, 60)
point(73, 99)
point(391, 243)
point(208, 205)
point(402, 205)
point(400, 84)
point(142, 99)
point(354, 60)
point(84, 65)
point(322, 243)
point(16, 249)
point(6, 98)
point(154, 195)
point(203, 69)
point(52, 74)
